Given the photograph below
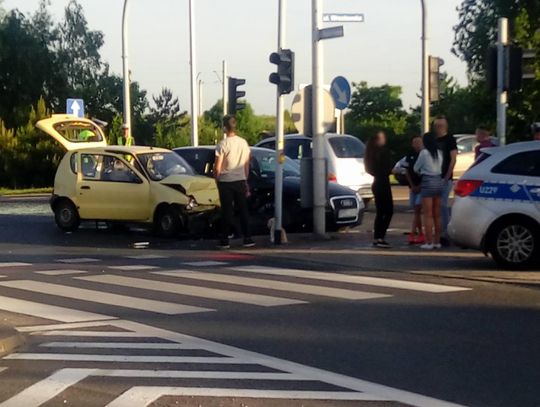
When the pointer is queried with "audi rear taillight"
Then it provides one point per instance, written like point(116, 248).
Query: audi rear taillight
point(465, 187)
point(332, 177)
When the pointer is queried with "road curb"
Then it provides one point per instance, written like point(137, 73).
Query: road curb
point(10, 339)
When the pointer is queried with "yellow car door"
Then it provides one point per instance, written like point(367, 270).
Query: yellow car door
point(109, 188)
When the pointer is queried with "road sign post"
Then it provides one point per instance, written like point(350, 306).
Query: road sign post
point(502, 95)
point(125, 72)
point(75, 107)
point(193, 66)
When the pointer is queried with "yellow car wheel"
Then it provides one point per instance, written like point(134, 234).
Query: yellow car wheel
point(66, 216)
point(167, 221)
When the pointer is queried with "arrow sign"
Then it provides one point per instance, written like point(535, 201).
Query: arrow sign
point(340, 89)
point(75, 107)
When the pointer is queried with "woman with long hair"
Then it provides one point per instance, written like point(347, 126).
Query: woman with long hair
point(429, 167)
point(378, 164)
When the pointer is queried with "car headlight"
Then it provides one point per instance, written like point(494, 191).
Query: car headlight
point(360, 201)
point(192, 203)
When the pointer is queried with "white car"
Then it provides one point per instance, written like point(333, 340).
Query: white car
point(344, 154)
point(497, 205)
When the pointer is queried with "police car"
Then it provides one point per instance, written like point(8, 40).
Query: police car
point(497, 205)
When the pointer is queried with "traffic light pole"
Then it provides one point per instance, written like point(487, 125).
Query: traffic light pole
point(502, 94)
point(425, 72)
point(194, 103)
point(319, 167)
point(225, 90)
point(280, 139)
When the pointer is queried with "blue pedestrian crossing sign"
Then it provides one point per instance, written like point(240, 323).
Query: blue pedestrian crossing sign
point(341, 92)
point(75, 107)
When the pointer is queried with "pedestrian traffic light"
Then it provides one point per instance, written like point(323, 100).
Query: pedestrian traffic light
point(514, 68)
point(284, 77)
point(235, 95)
point(517, 67)
point(435, 64)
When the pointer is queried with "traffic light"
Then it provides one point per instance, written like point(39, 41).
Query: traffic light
point(284, 77)
point(435, 64)
point(516, 67)
point(235, 95)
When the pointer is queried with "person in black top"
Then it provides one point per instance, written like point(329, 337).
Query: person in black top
point(448, 146)
point(378, 164)
point(415, 200)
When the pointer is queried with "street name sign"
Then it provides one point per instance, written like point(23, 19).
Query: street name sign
point(343, 18)
point(331, 32)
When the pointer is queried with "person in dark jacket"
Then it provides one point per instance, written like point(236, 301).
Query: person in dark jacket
point(378, 164)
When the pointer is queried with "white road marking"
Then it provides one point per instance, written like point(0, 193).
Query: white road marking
point(146, 257)
point(133, 267)
point(103, 297)
point(46, 389)
point(127, 358)
point(1, 276)
point(193, 291)
point(347, 278)
point(8, 264)
point(52, 312)
point(117, 345)
point(207, 263)
point(93, 334)
point(143, 396)
point(346, 382)
point(74, 325)
point(2, 369)
point(78, 260)
point(60, 272)
point(275, 285)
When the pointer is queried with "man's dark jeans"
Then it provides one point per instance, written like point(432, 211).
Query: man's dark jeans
point(233, 196)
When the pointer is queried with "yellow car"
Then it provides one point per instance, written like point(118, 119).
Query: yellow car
point(95, 181)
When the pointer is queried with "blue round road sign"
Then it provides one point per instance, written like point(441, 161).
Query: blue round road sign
point(341, 92)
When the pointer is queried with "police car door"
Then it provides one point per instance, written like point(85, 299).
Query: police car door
point(519, 178)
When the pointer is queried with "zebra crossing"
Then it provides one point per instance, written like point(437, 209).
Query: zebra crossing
point(117, 350)
point(199, 287)
point(137, 364)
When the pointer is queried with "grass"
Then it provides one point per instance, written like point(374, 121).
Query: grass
point(25, 191)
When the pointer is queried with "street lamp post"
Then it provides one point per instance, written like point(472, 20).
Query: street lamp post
point(194, 104)
point(125, 71)
point(425, 71)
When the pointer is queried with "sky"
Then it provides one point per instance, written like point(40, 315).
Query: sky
point(385, 49)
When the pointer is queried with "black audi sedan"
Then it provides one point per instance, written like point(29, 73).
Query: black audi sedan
point(344, 206)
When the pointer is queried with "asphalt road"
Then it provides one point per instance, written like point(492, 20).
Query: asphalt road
point(324, 323)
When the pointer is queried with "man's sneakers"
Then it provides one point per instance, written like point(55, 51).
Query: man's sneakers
point(382, 244)
point(248, 242)
point(224, 244)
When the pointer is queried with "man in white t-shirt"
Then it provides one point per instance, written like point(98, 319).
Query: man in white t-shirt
point(231, 171)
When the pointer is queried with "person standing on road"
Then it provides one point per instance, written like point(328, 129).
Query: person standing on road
point(378, 164)
point(429, 166)
point(448, 146)
point(415, 200)
point(483, 137)
point(231, 171)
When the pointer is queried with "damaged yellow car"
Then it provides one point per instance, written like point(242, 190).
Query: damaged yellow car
point(98, 182)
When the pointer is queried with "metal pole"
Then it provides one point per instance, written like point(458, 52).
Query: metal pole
point(319, 166)
point(280, 139)
point(502, 95)
point(193, 63)
point(125, 71)
point(200, 85)
point(425, 72)
point(225, 84)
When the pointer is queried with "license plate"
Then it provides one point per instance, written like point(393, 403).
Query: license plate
point(347, 213)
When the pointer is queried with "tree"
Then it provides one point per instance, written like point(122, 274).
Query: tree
point(477, 31)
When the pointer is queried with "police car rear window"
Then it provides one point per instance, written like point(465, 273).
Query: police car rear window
point(526, 163)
